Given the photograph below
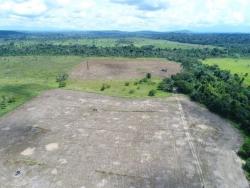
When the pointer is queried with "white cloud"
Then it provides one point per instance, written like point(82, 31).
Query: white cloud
point(24, 8)
point(123, 14)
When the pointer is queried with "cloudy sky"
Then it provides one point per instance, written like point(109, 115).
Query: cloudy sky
point(127, 15)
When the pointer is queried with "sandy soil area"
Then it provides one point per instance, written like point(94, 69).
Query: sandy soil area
point(82, 140)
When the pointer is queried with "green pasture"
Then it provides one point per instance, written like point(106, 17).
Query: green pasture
point(129, 88)
point(25, 77)
point(240, 66)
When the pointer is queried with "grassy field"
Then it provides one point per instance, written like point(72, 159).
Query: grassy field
point(240, 65)
point(22, 78)
point(25, 77)
point(111, 42)
point(129, 89)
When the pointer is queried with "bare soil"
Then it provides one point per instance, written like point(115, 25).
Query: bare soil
point(112, 69)
point(81, 140)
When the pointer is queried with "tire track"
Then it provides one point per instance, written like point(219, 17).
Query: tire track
point(191, 145)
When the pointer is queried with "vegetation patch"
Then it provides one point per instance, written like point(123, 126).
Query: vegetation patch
point(24, 77)
point(240, 66)
point(117, 87)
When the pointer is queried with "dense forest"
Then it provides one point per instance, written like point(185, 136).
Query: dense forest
point(126, 51)
point(234, 43)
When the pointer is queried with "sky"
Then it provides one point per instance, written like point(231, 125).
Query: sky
point(126, 15)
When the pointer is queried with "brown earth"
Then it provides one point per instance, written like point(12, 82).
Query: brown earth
point(120, 69)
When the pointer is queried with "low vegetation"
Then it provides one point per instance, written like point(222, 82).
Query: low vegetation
point(240, 66)
point(118, 87)
point(61, 79)
point(23, 77)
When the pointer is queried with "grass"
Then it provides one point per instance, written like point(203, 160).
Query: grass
point(240, 66)
point(24, 77)
point(118, 88)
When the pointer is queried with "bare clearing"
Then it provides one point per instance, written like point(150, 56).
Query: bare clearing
point(112, 69)
point(82, 140)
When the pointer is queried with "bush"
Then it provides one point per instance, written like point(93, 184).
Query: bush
point(11, 99)
point(105, 86)
point(62, 84)
point(126, 84)
point(246, 166)
point(61, 79)
point(3, 104)
point(151, 93)
point(131, 91)
point(148, 75)
point(183, 86)
point(166, 85)
point(245, 150)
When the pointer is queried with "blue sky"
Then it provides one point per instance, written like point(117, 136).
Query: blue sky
point(127, 15)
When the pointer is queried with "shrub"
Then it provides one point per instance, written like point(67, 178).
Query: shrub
point(138, 88)
point(61, 79)
point(11, 99)
point(3, 102)
point(131, 91)
point(245, 150)
point(152, 93)
point(246, 166)
point(62, 84)
point(105, 86)
point(183, 86)
point(167, 85)
point(148, 75)
point(126, 84)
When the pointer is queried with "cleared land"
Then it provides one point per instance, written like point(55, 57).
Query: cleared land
point(122, 76)
point(123, 69)
point(24, 77)
point(73, 139)
point(240, 66)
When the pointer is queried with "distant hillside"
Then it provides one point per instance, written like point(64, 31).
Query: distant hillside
point(10, 34)
point(183, 36)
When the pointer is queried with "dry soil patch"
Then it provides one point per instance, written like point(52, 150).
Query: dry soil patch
point(73, 139)
point(96, 69)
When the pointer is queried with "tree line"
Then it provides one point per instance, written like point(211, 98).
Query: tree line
point(11, 49)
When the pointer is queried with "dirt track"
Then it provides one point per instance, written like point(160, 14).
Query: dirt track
point(82, 140)
point(123, 69)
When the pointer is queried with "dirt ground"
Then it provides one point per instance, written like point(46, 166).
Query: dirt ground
point(81, 140)
point(121, 69)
